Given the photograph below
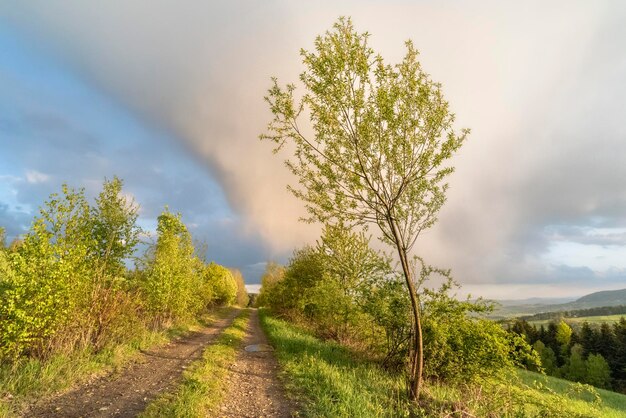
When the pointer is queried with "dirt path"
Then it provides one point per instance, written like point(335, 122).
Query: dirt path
point(253, 389)
point(127, 393)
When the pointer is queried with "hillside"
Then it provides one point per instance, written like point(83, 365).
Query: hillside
point(603, 298)
point(536, 305)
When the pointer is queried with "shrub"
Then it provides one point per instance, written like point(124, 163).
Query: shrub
point(462, 347)
point(222, 284)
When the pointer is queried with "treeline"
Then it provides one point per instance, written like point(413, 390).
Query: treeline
point(577, 313)
point(65, 284)
point(592, 355)
point(342, 290)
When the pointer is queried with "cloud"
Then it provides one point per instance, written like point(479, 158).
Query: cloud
point(541, 86)
point(588, 235)
point(34, 177)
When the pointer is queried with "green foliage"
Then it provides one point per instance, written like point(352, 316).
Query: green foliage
point(46, 281)
point(575, 368)
point(388, 305)
point(377, 130)
point(242, 298)
point(463, 348)
point(331, 287)
point(598, 372)
point(114, 229)
point(273, 274)
point(547, 356)
point(563, 333)
point(172, 282)
point(593, 356)
point(65, 286)
point(68, 300)
point(222, 284)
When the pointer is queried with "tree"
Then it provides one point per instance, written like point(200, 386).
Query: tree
point(619, 357)
point(563, 338)
point(598, 371)
point(606, 343)
point(563, 333)
point(274, 273)
point(548, 358)
point(242, 295)
point(115, 230)
point(352, 269)
point(575, 368)
point(222, 283)
point(381, 137)
point(172, 283)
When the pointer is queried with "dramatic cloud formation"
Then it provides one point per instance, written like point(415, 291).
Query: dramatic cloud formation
point(540, 85)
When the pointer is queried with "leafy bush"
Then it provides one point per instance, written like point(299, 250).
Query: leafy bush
point(65, 286)
point(46, 280)
point(221, 283)
point(462, 347)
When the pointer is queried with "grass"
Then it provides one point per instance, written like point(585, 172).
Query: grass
point(584, 399)
point(328, 381)
point(578, 321)
point(31, 379)
point(201, 389)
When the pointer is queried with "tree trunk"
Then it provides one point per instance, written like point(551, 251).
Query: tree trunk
point(416, 353)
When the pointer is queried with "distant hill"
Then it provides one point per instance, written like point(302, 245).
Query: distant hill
point(509, 308)
point(534, 301)
point(605, 298)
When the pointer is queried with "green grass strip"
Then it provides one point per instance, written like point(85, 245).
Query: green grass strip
point(31, 379)
point(326, 379)
point(201, 388)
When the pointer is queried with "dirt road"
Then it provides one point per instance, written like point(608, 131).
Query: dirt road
point(127, 393)
point(253, 388)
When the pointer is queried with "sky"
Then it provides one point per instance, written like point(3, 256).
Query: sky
point(169, 97)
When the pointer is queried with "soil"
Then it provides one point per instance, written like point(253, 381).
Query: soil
point(253, 388)
point(128, 392)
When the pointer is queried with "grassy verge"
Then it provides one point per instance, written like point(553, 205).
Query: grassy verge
point(326, 379)
point(328, 382)
point(200, 390)
point(32, 379)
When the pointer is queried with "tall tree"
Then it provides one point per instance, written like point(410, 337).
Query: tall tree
point(115, 229)
point(375, 150)
point(242, 298)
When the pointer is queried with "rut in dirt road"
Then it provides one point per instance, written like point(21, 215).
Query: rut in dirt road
point(253, 388)
point(128, 393)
